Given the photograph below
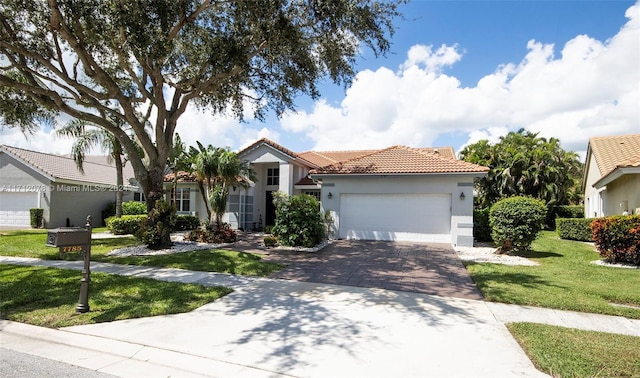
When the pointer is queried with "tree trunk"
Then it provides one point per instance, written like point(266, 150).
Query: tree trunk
point(154, 192)
point(117, 160)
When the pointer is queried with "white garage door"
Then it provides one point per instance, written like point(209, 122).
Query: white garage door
point(403, 217)
point(14, 208)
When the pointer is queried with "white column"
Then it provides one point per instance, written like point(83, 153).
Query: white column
point(286, 179)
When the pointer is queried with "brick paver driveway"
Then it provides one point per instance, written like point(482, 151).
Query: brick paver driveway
point(415, 267)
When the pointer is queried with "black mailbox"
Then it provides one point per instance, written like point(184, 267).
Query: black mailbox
point(68, 237)
point(76, 239)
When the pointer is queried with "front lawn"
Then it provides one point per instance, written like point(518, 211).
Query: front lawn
point(31, 243)
point(566, 352)
point(566, 280)
point(48, 297)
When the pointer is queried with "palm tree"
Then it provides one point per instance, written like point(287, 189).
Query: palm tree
point(179, 161)
point(231, 172)
point(87, 138)
point(216, 170)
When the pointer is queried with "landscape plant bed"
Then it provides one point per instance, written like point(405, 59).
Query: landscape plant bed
point(32, 244)
point(566, 352)
point(48, 297)
point(565, 279)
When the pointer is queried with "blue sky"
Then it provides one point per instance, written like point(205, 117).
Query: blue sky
point(457, 72)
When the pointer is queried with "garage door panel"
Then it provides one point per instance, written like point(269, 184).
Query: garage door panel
point(409, 217)
point(14, 208)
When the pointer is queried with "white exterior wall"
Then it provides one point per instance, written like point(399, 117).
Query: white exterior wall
point(461, 210)
point(18, 177)
point(75, 202)
point(254, 198)
point(623, 194)
point(593, 198)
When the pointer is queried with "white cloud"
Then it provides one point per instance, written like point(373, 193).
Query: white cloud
point(43, 140)
point(432, 61)
point(589, 88)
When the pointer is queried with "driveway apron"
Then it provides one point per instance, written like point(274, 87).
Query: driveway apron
point(425, 268)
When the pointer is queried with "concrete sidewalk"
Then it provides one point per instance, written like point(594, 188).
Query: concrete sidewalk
point(283, 328)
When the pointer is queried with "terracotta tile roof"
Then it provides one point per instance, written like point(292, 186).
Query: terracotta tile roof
point(443, 151)
point(278, 147)
point(613, 152)
point(60, 167)
point(401, 160)
point(306, 181)
point(270, 143)
point(182, 177)
point(323, 158)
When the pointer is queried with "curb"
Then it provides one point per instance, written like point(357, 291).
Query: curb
point(119, 358)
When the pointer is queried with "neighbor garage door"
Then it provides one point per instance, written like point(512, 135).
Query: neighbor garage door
point(14, 208)
point(404, 217)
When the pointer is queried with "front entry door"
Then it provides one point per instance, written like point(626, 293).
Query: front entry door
point(270, 210)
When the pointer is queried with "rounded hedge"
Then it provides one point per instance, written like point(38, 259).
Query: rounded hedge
point(299, 221)
point(516, 221)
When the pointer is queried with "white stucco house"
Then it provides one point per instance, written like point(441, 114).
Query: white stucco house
point(397, 193)
point(30, 179)
point(611, 183)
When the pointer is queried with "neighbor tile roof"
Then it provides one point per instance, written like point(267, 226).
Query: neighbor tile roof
point(401, 160)
point(613, 152)
point(60, 167)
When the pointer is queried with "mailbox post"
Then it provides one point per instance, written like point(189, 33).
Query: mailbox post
point(76, 239)
point(83, 301)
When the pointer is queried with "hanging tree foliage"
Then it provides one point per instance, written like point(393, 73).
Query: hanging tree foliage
point(142, 62)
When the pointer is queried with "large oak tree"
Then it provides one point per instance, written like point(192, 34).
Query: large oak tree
point(142, 62)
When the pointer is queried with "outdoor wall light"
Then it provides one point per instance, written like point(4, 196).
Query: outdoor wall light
point(329, 195)
point(462, 196)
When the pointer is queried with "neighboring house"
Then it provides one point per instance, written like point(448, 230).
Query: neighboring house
point(397, 193)
point(30, 179)
point(611, 183)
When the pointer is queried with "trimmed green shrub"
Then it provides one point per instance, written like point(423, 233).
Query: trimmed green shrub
point(617, 238)
point(133, 208)
point(36, 216)
point(108, 212)
point(575, 229)
point(270, 241)
point(563, 211)
point(155, 230)
point(128, 208)
point(481, 227)
point(187, 222)
point(125, 225)
point(569, 211)
point(516, 221)
point(299, 221)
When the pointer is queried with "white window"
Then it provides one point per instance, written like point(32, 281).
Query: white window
point(182, 199)
point(273, 176)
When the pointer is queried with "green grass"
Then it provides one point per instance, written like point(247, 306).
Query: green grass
point(566, 280)
point(31, 243)
point(211, 260)
point(48, 297)
point(566, 352)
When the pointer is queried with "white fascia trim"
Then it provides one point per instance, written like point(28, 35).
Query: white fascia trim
point(320, 176)
point(614, 175)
